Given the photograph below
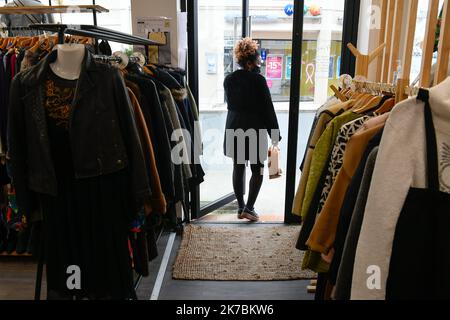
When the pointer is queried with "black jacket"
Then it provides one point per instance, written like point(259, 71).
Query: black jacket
point(249, 106)
point(157, 126)
point(103, 133)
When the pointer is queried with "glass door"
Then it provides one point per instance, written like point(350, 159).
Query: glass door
point(270, 22)
point(219, 27)
point(272, 25)
point(323, 24)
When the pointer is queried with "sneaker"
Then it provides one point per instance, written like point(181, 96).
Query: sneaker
point(250, 215)
point(239, 214)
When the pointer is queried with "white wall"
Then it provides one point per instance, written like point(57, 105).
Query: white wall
point(159, 8)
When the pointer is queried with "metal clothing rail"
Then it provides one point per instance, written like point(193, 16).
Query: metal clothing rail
point(3, 29)
point(379, 88)
point(95, 32)
point(120, 59)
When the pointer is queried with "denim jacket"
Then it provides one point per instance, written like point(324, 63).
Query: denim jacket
point(103, 134)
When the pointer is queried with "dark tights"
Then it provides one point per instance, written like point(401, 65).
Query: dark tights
point(255, 184)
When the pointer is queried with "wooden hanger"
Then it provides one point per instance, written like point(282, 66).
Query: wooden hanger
point(348, 93)
point(12, 44)
point(53, 42)
point(357, 95)
point(45, 44)
point(25, 42)
point(49, 43)
point(5, 43)
point(361, 101)
point(338, 94)
point(372, 103)
point(123, 71)
point(350, 104)
point(36, 45)
point(387, 106)
point(33, 41)
point(148, 70)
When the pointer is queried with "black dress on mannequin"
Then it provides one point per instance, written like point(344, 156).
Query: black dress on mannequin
point(87, 222)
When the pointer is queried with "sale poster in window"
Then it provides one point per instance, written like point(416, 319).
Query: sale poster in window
point(274, 66)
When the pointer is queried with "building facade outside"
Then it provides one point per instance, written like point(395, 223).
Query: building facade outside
point(271, 24)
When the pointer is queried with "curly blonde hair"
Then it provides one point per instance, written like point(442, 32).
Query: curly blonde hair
point(246, 50)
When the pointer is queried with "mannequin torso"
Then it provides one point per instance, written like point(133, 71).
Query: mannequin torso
point(69, 61)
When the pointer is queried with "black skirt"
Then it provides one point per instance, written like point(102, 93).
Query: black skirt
point(86, 226)
point(244, 142)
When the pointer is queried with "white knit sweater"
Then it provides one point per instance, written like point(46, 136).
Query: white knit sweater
point(401, 164)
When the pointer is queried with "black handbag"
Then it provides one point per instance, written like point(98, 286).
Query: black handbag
point(420, 261)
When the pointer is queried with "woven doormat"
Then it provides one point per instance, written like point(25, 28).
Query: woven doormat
point(254, 253)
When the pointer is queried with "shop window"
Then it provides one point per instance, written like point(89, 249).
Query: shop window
point(118, 18)
point(271, 25)
point(419, 38)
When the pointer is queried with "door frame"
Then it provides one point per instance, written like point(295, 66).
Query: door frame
point(349, 34)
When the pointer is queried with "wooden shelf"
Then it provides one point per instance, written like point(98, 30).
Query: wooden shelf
point(15, 254)
point(52, 9)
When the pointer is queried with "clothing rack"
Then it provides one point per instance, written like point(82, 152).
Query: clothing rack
point(96, 32)
point(389, 47)
point(396, 41)
point(90, 31)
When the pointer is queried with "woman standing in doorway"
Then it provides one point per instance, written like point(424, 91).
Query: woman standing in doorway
point(251, 116)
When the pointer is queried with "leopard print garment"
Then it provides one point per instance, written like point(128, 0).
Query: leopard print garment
point(337, 156)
